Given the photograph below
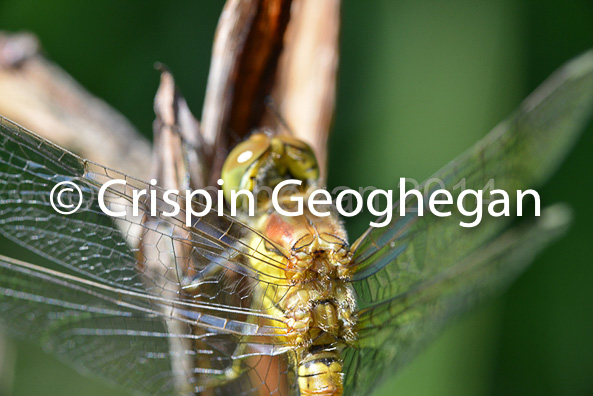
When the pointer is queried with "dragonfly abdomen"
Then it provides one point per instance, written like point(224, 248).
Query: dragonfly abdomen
point(321, 372)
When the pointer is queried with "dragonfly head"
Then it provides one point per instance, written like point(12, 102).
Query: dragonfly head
point(261, 162)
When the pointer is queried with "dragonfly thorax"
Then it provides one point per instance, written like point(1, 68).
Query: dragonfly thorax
point(317, 247)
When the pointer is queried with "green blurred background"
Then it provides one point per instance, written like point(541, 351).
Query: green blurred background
point(420, 81)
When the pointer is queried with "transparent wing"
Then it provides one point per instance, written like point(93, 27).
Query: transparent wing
point(31, 166)
point(171, 306)
point(127, 338)
point(391, 332)
point(419, 270)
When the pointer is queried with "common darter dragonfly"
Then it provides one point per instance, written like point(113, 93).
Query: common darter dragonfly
point(268, 304)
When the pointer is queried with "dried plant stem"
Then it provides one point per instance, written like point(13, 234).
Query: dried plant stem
point(42, 97)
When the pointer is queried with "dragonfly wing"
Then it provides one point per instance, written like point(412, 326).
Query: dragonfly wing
point(391, 332)
point(172, 303)
point(128, 338)
point(30, 167)
point(415, 252)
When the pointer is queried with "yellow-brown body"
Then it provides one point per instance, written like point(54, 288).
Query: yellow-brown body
point(315, 302)
point(318, 305)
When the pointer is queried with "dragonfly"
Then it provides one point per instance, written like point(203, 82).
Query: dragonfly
point(265, 304)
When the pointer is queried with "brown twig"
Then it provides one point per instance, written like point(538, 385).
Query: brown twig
point(40, 96)
point(181, 157)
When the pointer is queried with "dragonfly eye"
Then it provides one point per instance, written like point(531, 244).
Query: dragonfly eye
point(262, 161)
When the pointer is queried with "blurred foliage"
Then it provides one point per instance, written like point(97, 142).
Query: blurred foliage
point(420, 81)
